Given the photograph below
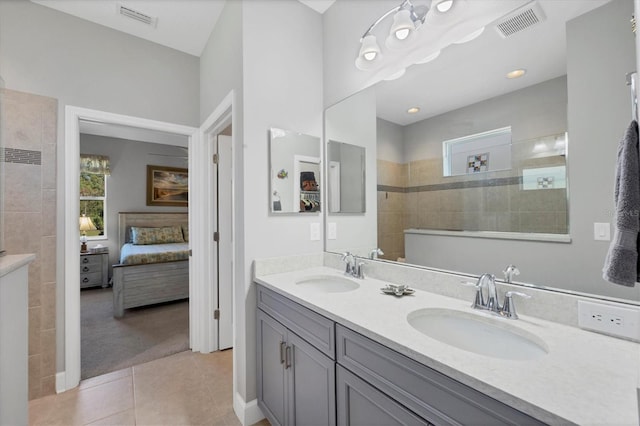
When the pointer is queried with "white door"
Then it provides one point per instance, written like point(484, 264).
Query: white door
point(225, 242)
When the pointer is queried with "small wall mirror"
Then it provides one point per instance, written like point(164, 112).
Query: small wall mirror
point(346, 171)
point(477, 153)
point(294, 172)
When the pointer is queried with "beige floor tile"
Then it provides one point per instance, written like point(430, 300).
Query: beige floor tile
point(182, 389)
point(83, 406)
point(186, 407)
point(125, 418)
point(105, 378)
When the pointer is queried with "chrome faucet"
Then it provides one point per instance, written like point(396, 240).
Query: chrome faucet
point(373, 254)
point(353, 267)
point(491, 302)
point(509, 272)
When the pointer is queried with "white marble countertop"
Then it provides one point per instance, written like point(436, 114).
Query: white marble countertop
point(586, 378)
point(12, 262)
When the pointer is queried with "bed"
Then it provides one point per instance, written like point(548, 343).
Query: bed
point(150, 273)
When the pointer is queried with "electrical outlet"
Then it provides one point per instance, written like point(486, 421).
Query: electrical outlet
point(609, 319)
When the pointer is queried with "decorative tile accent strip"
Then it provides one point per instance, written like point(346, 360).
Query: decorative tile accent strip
point(22, 156)
point(514, 180)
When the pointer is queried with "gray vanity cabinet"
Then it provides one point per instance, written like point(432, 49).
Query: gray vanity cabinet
point(295, 380)
point(359, 403)
point(429, 394)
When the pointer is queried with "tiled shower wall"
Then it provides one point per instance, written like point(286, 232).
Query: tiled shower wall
point(416, 195)
point(29, 134)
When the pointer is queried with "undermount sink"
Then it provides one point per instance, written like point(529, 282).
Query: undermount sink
point(477, 333)
point(328, 283)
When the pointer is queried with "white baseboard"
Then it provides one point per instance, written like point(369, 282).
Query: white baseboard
point(61, 382)
point(248, 412)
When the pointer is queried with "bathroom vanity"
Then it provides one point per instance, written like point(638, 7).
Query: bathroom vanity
point(334, 356)
point(14, 290)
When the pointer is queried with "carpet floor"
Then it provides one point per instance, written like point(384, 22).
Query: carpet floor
point(141, 335)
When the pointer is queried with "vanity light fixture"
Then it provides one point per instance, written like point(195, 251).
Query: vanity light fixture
point(413, 110)
point(407, 19)
point(516, 73)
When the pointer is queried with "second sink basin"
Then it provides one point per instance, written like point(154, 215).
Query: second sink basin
point(478, 333)
point(328, 283)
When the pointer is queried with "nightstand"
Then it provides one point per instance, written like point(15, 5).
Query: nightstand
point(94, 269)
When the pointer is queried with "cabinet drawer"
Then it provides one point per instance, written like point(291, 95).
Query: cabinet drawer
point(90, 267)
point(312, 327)
point(430, 394)
point(360, 404)
point(89, 260)
point(91, 279)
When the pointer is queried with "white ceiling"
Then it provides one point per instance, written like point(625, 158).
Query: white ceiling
point(183, 25)
point(319, 6)
point(468, 73)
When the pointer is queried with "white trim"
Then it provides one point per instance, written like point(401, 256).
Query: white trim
point(71, 159)
point(60, 382)
point(551, 238)
point(248, 412)
point(203, 214)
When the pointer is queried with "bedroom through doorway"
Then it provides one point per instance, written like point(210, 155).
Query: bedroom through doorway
point(134, 298)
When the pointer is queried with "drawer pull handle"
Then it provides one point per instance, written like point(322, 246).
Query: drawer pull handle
point(85, 280)
point(282, 350)
point(287, 363)
point(85, 269)
point(85, 260)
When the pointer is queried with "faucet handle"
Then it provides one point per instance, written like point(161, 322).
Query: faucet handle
point(360, 270)
point(509, 308)
point(509, 272)
point(478, 302)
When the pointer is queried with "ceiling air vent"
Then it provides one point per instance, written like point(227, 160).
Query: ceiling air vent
point(523, 18)
point(138, 16)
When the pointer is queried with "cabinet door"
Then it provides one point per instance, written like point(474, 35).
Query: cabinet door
point(311, 384)
point(359, 403)
point(271, 343)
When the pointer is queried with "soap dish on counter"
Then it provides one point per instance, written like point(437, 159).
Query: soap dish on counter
point(397, 290)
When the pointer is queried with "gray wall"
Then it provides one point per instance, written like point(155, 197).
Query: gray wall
point(353, 121)
point(282, 79)
point(535, 111)
point(83, 64)
point(598, 113)
point(127, 185)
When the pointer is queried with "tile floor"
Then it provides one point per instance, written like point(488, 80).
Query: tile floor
point(183, 389)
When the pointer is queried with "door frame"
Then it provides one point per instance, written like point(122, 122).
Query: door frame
point(70, 378)
point(223, 116)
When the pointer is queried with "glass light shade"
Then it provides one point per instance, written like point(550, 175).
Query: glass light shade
point(402, 25)
point(403, 31)
point(444, 6)
point(369, 53)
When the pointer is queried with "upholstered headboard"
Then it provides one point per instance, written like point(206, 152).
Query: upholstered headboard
point(128, 219)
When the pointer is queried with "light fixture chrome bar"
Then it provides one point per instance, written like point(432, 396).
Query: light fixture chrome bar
point(406, 4)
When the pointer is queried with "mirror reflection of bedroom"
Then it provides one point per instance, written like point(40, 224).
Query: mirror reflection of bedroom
point(134, 233)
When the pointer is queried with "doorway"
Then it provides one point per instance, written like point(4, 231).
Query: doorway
point(70, 378)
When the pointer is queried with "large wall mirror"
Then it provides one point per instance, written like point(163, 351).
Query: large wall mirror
point(295, 172)
point(531, 202)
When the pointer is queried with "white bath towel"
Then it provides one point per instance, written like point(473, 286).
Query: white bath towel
point(621, 264)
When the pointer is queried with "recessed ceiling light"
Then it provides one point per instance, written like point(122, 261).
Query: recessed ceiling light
point(444, 6)
point(413, 110)
point(516, 73)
